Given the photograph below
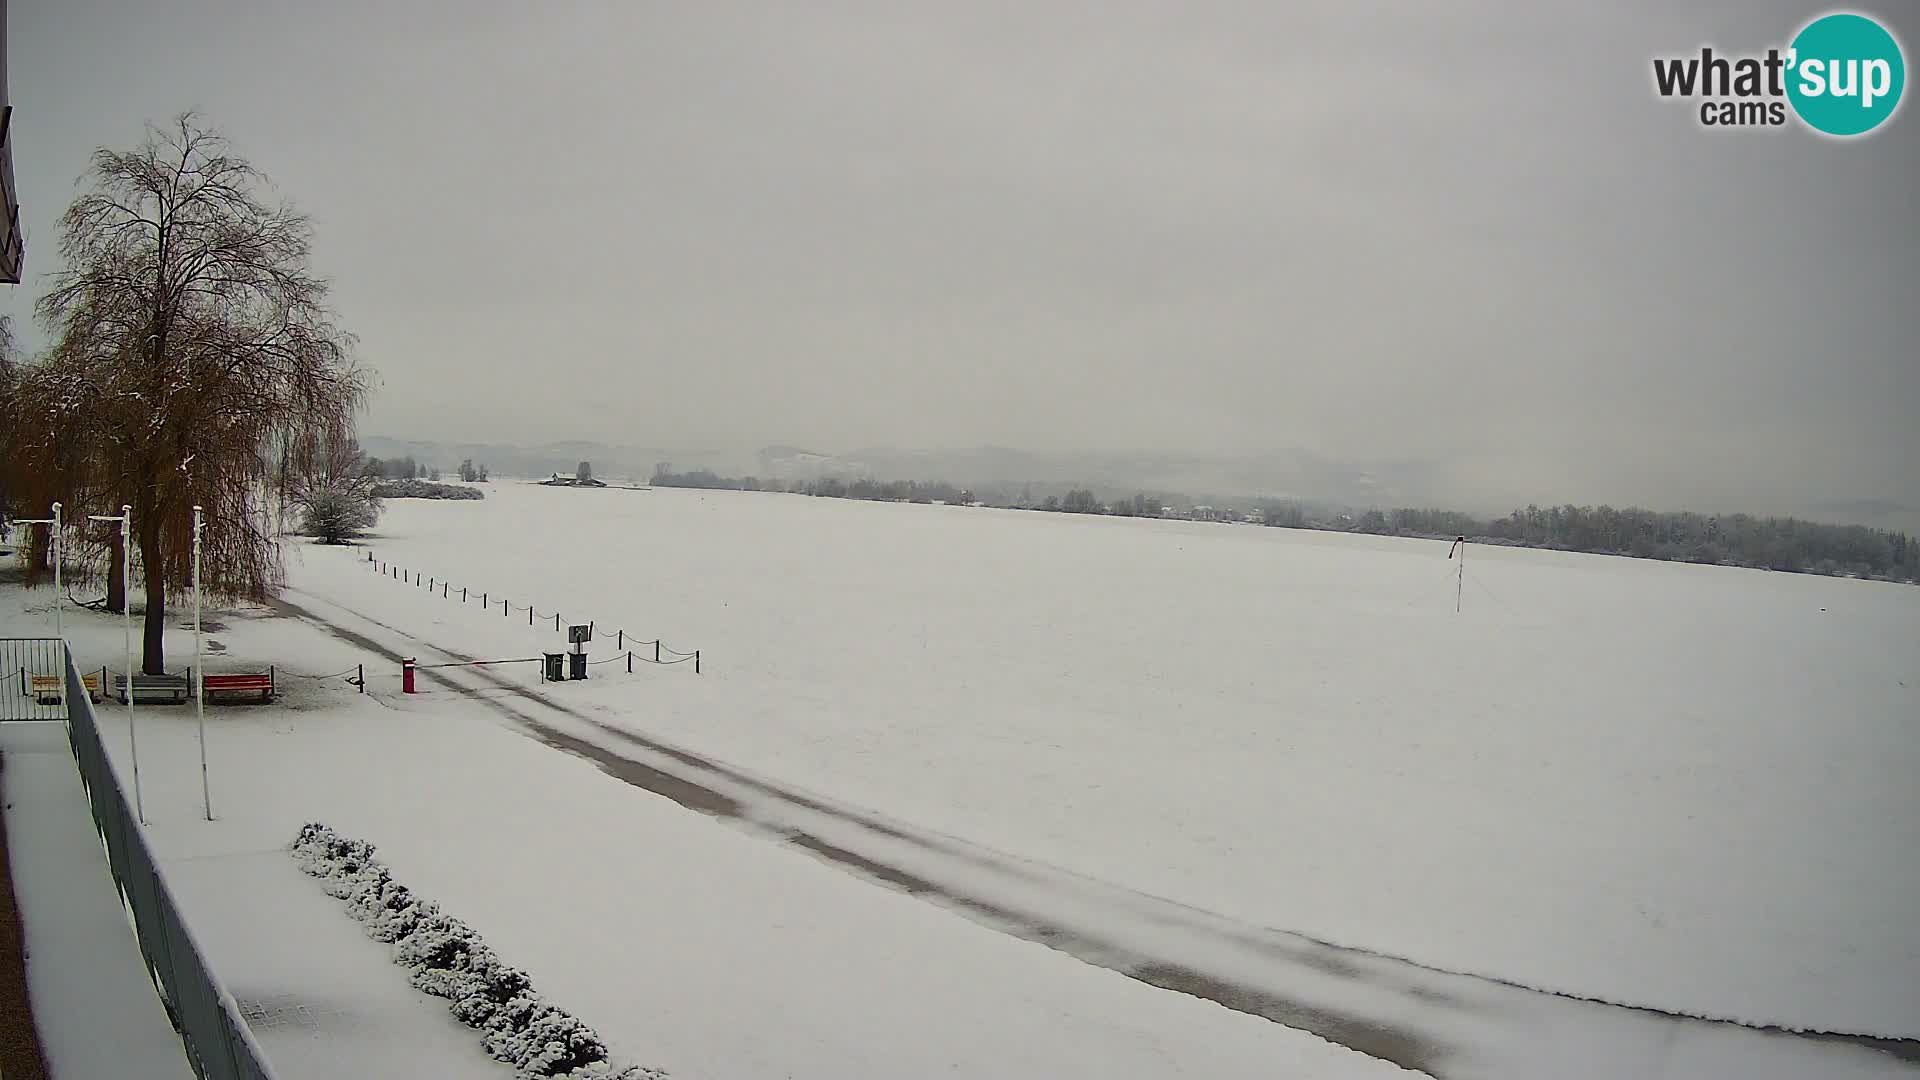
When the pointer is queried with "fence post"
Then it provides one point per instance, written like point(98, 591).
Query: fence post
point(696, 661)
point(620, 640)
point(556, 620)
point(656, 650)
point(363, 677)
point(463, 594)
point(629, 661)
point(443, 590)
point(529, 614)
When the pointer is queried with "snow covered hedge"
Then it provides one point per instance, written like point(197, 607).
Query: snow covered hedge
point(424, 489)
point(447, 959)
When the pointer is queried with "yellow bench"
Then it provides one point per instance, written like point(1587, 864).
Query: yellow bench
point(47, 689)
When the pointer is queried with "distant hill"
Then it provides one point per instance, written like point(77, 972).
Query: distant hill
point(1223, 479)
point(617, 463)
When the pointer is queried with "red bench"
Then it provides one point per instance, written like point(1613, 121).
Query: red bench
point(241, 683)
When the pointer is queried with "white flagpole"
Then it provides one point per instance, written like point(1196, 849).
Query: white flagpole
point(59, 626)
point(199, 677)
point(125, 520)
point(126, 607)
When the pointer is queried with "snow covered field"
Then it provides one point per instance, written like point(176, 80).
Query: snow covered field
point(687, 944)
point(1675, 786)
point(1681, 787)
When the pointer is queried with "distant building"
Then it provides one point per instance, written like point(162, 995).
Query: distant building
point(572, 481)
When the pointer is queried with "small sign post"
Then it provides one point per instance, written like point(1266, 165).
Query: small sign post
point(578, 636)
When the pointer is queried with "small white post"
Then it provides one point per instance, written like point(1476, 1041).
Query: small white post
point(199, 677)
point(125, 520)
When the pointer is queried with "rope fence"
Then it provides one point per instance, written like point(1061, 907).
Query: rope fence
point(622, 639)
point(355, 676)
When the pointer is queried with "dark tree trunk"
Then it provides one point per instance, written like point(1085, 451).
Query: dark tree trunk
point(39, 552)
point(153, 652)
point(116, 573)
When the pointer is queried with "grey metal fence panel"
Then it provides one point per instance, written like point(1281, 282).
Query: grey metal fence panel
point(32, 679)
point(218, 1043)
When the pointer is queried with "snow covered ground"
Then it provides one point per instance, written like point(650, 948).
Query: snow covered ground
point(687, 944)
point(1673, 786)
point(1680, 787)
point(93, 1002)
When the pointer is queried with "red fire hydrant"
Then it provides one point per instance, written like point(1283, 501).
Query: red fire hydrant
point(406, 675)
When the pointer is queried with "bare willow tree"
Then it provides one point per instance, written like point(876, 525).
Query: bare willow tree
point(213, 369)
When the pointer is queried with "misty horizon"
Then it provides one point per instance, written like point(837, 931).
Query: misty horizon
point(1387, 239)
point(1110, 471)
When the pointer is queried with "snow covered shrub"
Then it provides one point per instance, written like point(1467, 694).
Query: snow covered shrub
point(552, 1043)
point(339, 517)
point(495, 994)
point(447, 958)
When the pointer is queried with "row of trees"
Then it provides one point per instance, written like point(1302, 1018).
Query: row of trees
point(194, 362)
point(400, 468)
point(406, 468)
point(1774, 543)
point(829, 488)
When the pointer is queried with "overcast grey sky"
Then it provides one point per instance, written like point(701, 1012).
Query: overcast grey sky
point(1413, 232)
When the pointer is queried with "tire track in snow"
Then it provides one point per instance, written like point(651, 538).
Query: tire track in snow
point(1444, 1024)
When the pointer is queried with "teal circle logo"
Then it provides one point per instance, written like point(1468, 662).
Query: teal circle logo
point(1845, 74)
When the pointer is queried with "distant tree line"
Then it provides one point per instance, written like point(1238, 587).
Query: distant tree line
point(400, 468)
point(406, 468)
point(907, 491)
point(1770, 543)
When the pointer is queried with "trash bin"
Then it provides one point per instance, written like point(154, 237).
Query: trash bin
point(576, 665)
point(554, 671)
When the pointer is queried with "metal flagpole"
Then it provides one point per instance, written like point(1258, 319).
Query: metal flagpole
point(125, 518)
point(199, 677)
point(59, 626)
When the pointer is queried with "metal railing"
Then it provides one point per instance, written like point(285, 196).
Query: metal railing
point(218, 1042)
point(32, 679)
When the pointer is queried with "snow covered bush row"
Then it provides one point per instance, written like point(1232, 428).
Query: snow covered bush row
point(447, 959)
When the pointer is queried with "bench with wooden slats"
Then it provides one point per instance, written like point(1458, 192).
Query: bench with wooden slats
point(154, 689)
point(48, 689)
point(240, 683)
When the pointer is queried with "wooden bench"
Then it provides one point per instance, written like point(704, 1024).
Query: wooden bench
point(48, 689)
point(154, 689)
point(240, 683)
